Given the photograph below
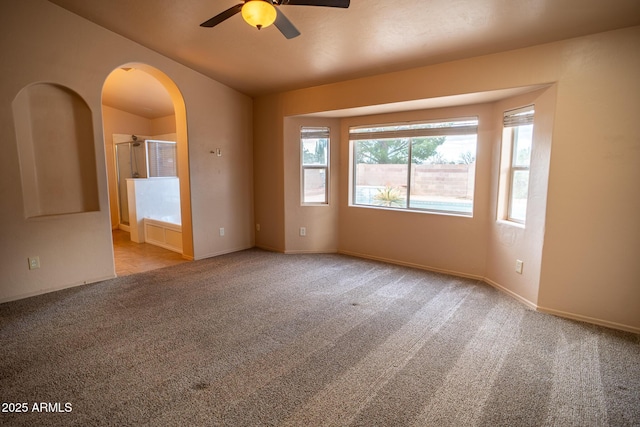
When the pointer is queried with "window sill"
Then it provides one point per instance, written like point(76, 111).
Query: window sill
point(510, 223)
point(418, 211)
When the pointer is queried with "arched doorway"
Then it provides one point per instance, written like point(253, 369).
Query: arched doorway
point(142, 104)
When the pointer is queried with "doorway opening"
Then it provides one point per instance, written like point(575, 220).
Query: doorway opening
point(146, 143)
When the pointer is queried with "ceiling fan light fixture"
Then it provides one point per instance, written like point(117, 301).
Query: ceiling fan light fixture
point(259, 13)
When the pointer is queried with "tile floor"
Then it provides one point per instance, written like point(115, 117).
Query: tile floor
point(131, 257)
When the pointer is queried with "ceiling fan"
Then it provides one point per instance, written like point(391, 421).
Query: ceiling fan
point(262, 13)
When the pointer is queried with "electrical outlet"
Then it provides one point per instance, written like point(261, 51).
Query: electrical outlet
point(34, 263)
point(303, 231)
point(257, 227)
point(222, 231)
point(519, 265)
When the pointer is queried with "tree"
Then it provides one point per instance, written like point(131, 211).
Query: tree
point(425, 147)
point(319, 155)
point(437, 159)
point(396, 151)
point(466, 158)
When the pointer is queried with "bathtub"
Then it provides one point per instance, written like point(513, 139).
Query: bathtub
point(163, 233)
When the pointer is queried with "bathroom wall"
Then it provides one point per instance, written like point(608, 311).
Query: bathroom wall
point(155, 198)
point(116, 121)
point(119, 122)
point(120, 200)
point(163, 125)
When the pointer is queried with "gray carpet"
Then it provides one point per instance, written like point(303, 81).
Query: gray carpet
point(258, 338)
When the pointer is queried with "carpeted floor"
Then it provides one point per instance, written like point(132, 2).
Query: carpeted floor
point(258, 338)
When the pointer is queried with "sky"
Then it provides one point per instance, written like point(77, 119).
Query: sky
point(457, 144)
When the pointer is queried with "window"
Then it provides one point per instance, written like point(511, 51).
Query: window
point(162, 158)
point(517, 139)
point(314, 148)
point(423, 166)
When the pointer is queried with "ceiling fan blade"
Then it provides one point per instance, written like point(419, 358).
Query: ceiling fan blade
point(327, 3)
point(285, 26)
point(222, 16)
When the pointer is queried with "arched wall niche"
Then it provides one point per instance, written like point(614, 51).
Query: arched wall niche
point(183, 151)
point(54, 133)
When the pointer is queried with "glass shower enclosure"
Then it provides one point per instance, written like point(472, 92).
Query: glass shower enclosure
point(142, 159)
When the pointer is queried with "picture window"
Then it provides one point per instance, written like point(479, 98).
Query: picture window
point(418, 166)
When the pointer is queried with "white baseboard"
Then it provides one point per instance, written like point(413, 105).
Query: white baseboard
point(512, 294)
point(302, 252)
point(269, 248)
point(412, 265)
point(587, 319)
point(48, 290)
point(223, 252)
point(507, 291)
point(561, 313)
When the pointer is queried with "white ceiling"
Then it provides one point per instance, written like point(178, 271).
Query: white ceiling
point(368, 38)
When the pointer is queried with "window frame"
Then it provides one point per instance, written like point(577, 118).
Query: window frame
point(514, 119)
point(412, 130)
point(157, 158)
point(326, 132)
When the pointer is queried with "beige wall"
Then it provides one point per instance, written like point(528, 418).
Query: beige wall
point(448, 243)
point(592, 245)
point(76, 248)
point(583, 263)
point(163, 125)
point(268, 173)
point(509, 242)
point(321, 222)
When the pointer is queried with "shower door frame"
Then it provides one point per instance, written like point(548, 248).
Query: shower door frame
point(122, 225)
